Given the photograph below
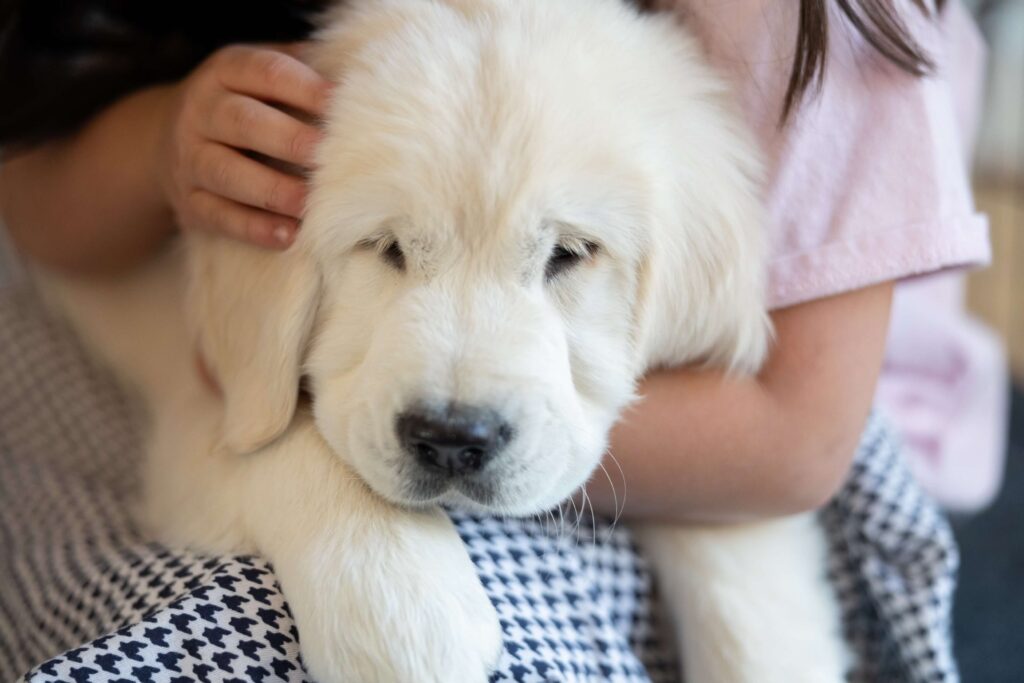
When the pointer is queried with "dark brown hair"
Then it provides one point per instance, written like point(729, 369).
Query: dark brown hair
point(61, 61)
point(877, 21)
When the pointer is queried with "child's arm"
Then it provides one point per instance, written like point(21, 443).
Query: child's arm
point(701, 447)
point(105, 197)
point(91, 202)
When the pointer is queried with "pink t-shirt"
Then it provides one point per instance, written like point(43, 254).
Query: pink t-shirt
point(868, 182)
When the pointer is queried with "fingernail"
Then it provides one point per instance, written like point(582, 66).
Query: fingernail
point(283, 235)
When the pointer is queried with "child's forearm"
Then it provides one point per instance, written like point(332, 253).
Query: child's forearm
point(703, 447)
point(91, 202)
point(106, 197)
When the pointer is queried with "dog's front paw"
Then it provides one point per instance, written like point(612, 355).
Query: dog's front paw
point(399, 603)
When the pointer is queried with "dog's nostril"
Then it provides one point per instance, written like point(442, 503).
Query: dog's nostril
point(472, 457)
point(425, 452)
point(457, 440)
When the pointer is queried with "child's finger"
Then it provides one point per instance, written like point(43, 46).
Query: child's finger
point(245, 123)
point(273, 76)
point(206, 375)
point(216, 214)
point(229, 173)
point(295, 49)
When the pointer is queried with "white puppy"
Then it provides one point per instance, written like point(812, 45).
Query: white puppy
point(521, 207)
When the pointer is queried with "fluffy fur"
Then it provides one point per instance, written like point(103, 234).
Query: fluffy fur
point(474, 136)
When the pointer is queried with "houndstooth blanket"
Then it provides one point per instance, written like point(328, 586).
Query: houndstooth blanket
point(83, 597)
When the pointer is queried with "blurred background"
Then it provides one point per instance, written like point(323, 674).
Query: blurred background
point(989, 620)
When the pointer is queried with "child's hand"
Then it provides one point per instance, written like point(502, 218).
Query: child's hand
point(218, 115)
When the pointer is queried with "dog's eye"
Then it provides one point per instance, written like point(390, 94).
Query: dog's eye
point(388, 249)
point(393, 255)
point(566, 256)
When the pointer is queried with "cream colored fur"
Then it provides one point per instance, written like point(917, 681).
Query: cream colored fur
point(477, 134)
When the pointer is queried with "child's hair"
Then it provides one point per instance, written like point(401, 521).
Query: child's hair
point(876, 20)
point(61, 61)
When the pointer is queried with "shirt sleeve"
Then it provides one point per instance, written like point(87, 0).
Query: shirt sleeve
point(868, 180)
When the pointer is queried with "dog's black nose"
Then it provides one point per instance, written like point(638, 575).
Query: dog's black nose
point(457, 440)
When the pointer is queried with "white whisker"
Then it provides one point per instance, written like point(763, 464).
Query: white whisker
point(620, 508)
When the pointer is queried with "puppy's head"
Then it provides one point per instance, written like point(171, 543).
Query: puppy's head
point(520, 207)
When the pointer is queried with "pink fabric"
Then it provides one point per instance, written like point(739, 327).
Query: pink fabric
point(945, 384)
point(868, 182)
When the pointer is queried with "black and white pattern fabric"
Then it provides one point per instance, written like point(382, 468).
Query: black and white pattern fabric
point(893, 562)
point(83, 597)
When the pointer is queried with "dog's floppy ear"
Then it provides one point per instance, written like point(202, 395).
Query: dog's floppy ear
point(701, 282)
point(251, 311)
